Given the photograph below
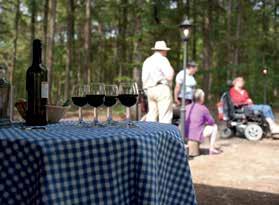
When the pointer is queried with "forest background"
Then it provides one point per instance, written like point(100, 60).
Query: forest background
point(108, 40)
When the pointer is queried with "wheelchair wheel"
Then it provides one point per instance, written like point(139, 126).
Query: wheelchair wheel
point(226, 133)
point(253, 132)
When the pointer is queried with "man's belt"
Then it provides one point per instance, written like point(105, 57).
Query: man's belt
point(162, 82)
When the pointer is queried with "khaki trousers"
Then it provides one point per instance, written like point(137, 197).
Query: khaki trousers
point(159, 104)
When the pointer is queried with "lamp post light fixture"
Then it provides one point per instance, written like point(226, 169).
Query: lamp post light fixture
point(185, 28)
point(265, 71)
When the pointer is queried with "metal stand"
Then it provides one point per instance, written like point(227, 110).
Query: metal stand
point(183, 109)
point(265, 90)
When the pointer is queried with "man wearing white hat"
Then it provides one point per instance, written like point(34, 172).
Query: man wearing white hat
point(157, 76)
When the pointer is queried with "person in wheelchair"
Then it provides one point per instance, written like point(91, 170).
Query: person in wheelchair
point(240, 98)
point(199, 123)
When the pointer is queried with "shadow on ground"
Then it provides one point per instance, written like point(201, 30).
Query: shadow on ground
point(214, 195)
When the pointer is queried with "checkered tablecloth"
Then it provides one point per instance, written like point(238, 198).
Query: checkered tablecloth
point(69, 165)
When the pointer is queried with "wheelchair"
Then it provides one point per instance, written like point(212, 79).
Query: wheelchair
point(241, 121)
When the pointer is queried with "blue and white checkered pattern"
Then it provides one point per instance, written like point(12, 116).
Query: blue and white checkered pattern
point(69, 165)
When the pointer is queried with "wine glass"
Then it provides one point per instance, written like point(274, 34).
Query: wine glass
point(79, 99)
point(110, 100)
point(128, 94)
point(95, 98)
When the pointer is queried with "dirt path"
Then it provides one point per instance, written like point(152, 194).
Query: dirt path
point(246, 173)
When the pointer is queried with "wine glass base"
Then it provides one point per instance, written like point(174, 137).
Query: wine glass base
point(128, 124)
point(81, 124)
point(96, 124)
point(111, 123)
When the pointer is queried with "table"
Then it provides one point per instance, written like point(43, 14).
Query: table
point(69, 165)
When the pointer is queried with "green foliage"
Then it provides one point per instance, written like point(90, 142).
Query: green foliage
point(118, 45)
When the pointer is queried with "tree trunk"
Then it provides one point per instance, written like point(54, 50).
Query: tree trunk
point(207, 51)
point(70, 38)
point(17, 16)
point(137, 57)
point(45, 28)
point(33, 19)
point(276, 14)
point(50, 42)
point(187, 9)
point(228, 37)
point(122, 45)
point(275, 27)
point(87, 43)
point(194, 32)
point(156, 10)
point(265, 28)
point(179, 17)
point(237, 36)
point(101, 56)
point(80, 65)
point(33, 23)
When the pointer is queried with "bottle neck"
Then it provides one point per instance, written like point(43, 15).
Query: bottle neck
point(37, 53)
point(37, 59)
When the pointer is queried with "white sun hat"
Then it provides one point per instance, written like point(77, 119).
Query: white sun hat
point(160, 46)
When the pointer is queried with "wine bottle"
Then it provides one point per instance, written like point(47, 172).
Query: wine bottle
point(37, 88)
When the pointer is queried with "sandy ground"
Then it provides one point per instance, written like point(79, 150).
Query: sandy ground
point(245, 173)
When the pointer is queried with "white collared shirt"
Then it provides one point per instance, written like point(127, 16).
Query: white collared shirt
point(156, 68)
point(190, 83)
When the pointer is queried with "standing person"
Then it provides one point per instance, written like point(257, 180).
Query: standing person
point(157, 76)
point(190, 83)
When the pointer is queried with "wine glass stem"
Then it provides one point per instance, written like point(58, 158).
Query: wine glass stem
point(80, 114)
point(95, 114)
point(128, 114)
point(109, 114)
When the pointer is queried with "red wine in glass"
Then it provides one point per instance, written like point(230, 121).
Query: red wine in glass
point(128, 100)
point(95, 97)
point(128, 93)
point(79, 101)
point(110, 101)
point(95, 100)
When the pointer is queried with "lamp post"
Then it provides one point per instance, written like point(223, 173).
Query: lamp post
point(185, 28)
point(265, 72)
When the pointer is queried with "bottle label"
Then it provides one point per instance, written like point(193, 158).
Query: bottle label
point(44, 89)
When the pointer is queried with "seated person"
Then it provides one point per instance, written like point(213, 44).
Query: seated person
point(199, 123)
point(240, 97)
